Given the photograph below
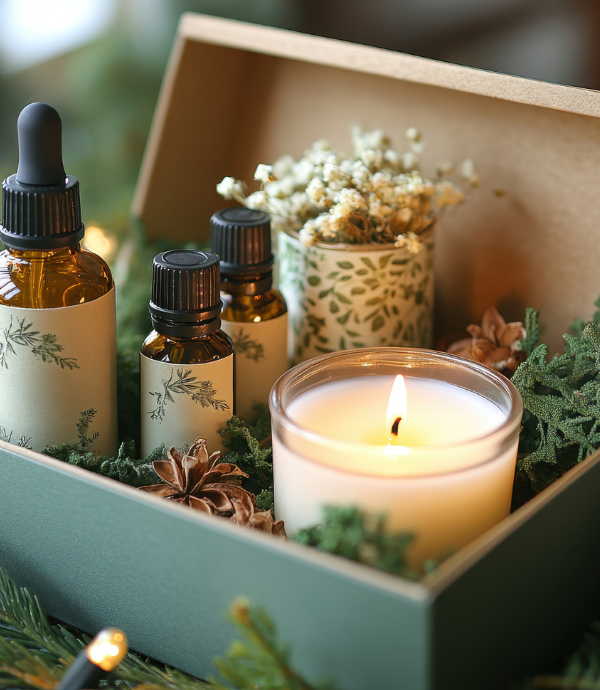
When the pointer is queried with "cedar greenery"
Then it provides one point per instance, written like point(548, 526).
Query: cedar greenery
point(249, 446)
point(353, 534)
point(124, 467)
point(561, 399)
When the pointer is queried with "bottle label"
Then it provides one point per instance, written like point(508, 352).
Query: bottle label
point(58, 380)
point(181, 402)
point(261, 358)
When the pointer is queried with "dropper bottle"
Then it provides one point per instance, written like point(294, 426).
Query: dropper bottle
point(187, 361)
point(255, 314)
point(57, 304)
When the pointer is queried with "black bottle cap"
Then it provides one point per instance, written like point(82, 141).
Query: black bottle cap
point(185, 290)
point(40, 204)
point(241, 237)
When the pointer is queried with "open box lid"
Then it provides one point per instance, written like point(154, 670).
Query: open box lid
point(236, 95)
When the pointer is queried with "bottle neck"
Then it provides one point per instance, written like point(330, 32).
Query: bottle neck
point(37, 254)
point(185, 324)
point(247, 284)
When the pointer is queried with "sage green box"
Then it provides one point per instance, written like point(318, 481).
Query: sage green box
point(99, 553)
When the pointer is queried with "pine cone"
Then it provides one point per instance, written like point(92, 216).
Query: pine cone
point(198, 481)
point(495, 343)
point(265, 523)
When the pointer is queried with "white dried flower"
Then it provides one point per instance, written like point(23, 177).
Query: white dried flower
point(410, 241)
point(316, 189)
point(264, 173)
point(376, 195)
point(259, 201)
point(445, 169)
point(301, 205)
point(413, 140)
point(403, 216)
point(447, 194)
point(468, 172)
point(353, 199)
point(302, 172)
point(371, 158)
point(283, 166)
point(410, 161)
point(230, 188)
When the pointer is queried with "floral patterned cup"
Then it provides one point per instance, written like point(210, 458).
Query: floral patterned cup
point(346, 296)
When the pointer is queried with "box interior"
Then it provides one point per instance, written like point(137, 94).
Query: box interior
point(236, 95)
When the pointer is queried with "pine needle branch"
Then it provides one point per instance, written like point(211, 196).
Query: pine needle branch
point(35, 654)
point(260, 661)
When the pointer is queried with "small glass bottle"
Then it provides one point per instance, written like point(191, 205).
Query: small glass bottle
point(187, 361)
point(57, 304)
point(255, 314)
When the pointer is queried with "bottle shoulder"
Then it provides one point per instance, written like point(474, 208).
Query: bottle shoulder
point(46, 280)
point(251, 308)
point(207, 348)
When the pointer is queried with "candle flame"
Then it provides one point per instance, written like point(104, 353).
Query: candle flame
point(397, 406)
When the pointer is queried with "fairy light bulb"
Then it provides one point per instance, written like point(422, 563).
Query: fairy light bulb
point(107, 649)
point(104, 653)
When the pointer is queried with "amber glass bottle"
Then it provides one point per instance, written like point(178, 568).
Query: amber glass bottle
point(57, 304)
point(187, 362)
point(255, 314)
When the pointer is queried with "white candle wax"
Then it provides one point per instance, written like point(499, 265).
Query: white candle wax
point(445, 478)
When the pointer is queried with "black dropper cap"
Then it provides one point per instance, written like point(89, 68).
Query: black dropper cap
point(241, 237)
point(186, 298)
point(40, 204)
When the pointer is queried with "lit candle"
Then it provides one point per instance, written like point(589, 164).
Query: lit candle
point(434, 448)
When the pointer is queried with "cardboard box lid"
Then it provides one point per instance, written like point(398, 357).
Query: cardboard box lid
point(235, 95)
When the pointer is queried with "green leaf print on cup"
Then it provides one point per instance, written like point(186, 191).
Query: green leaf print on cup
point(43, 346)
point(201, 392)
point(244, 345)
point(345, 296)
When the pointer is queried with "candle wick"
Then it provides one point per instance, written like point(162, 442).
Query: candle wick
point(396, 425)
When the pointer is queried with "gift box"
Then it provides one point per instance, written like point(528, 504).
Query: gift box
point(98, 553)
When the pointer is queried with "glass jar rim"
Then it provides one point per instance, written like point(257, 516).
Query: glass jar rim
point(302, 371)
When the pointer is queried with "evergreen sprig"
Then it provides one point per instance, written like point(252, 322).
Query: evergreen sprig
point(259, 661)
point(561, 398)
point(124, 467)
point(249, 446)
point(362, 537)
point(35, 654)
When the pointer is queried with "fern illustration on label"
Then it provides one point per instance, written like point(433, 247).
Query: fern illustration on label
point(6, 436)
point(83, 425)
point(244, 345)
point(43, 346)
point(202, 392)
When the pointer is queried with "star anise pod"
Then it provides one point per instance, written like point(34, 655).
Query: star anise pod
point(201, 482)
point(495, 343)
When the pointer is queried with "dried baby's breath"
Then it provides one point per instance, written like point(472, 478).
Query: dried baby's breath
point(378, 195)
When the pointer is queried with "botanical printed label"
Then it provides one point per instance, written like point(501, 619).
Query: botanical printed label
point(181, 402)
point(261, 358)
point(58, 376)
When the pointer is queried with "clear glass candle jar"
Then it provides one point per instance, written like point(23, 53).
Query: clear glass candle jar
point(446, 477)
